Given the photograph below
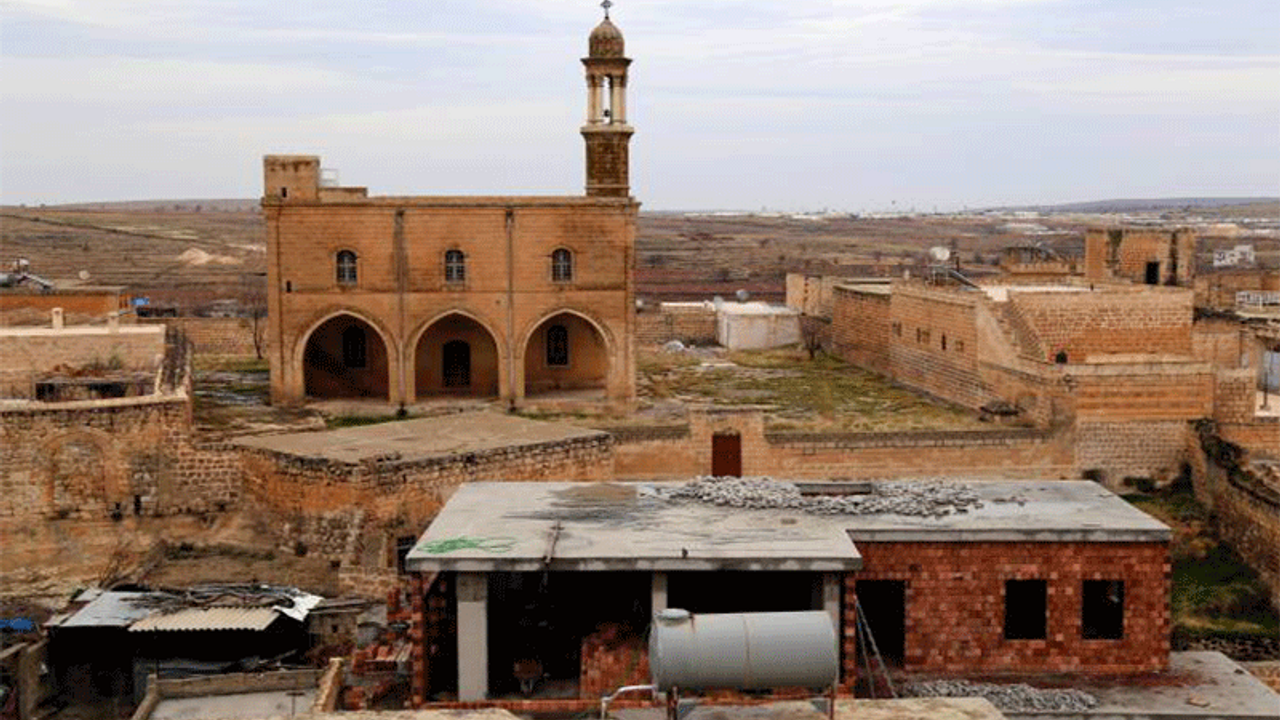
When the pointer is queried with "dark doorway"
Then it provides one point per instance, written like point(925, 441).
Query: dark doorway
point(726, 455)
point(457, 364)
point(1153, 273)
point(345, 358)
point(739, 591)
point(884, 606)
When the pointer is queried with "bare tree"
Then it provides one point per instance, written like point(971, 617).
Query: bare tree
point(254, 299)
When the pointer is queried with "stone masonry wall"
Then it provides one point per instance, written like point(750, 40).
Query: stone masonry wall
point(675, 453)
point(1155, 321)
point(1249, 519)
point(1131, 449)
point(955, 605)
point(689, 325)
point(217, 336)
point(409, 494)
point(860, 328)
point(934, 342)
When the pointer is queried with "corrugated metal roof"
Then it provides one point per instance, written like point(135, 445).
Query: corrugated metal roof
point(109, 609)
point(214, 618)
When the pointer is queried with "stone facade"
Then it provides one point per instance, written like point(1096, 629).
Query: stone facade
point(1141, 255)
point(406, 298)
point(690, 323)
point(955, 605)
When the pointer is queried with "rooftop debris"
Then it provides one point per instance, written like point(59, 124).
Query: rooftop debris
point(1018, 698)
point(924, 498)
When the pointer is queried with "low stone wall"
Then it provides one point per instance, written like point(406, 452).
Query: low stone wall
point(410, 493)
point(690, 324)
point(217, 336)
point(1249, 519)
point(1131, 449)
point(1253, 648)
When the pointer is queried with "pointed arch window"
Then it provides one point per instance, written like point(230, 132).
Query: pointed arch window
point(562, 265)
point(347, 269)
point(455, 266)
point(557, 346)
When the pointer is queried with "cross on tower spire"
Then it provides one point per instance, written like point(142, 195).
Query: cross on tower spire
point(606, 5)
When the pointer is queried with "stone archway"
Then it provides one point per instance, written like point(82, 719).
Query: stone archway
point(456, 355)
point(565, 352)
point(345, 357)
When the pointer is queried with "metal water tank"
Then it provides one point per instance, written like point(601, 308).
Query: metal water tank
point(746, 651)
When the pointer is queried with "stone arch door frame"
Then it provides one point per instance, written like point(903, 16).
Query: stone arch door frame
point(298, 361)
point(411, 351)
point(602, 329)
point(115, 485)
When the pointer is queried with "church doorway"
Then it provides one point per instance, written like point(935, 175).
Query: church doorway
point(565, 353)
point(346, 358)
point(456, 356)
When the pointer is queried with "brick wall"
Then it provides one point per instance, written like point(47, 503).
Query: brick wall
point(1218, 288)
point(611, 660)
point(1235, 396)
point(1261, 436)
point(29, 352)
point(955, 605)
point(1249, 519)
point(934, 343)
point(1142, 392)
point(690, 324)
point(860, 328)
point(1152, 321)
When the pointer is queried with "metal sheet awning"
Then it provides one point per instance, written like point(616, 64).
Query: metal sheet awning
point(214, 618)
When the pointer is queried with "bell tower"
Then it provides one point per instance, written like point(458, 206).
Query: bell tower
point(607, 134)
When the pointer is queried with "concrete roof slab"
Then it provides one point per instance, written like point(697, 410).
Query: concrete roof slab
point(421, 439)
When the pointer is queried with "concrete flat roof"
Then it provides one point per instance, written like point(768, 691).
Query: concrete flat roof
point(634, 526)
point(1050, 511)
point(411, 440)
point(618, 526)
point(272, 704)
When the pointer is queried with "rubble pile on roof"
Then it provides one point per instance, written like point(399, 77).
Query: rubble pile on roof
point(925, 498)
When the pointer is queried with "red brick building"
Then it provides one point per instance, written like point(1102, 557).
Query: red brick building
point(1024, 577)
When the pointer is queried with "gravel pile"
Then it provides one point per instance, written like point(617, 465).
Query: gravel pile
point(924, 498)
point(1007, 698)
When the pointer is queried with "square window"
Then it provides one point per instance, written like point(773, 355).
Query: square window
point(1102, 610)
point(1025, 609)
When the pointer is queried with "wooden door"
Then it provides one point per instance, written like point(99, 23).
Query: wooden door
point(726, 455)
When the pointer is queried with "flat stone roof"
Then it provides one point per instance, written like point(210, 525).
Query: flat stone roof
point(635, 526)
point(422, 439)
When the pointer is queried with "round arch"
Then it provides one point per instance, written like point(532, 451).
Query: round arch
point(566, 349)
point(82, 475)
point(456, 353)
point(338, 358)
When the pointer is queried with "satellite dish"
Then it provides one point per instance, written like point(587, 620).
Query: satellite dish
point(940, 253)
point(742, 296)
point(84, 275)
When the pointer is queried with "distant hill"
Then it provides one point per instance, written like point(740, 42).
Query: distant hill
point(1152, 205)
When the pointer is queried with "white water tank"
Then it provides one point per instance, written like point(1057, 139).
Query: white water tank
point(744, 651)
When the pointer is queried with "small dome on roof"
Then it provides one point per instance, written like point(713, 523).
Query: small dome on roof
point(606, 41)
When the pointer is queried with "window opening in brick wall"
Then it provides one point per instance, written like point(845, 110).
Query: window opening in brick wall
point(959, 346)
point(284, 192)
point(884, 606)
point(1153, 273)
point(562, 265)
point(347, 268)
point(354, 348)
point(1102, 610)
point(558, 346)
point(455, 266)
point(944, 341)
point(1025, 609)
point(897, 329)
point(1061, 358)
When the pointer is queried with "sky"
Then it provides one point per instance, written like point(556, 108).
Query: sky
point(851, 105)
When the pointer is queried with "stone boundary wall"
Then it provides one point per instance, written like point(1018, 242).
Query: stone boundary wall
point(633, 435)
point(933, 342)
point(1249, 519)
point(410, 493)
point(216, 336)
point(860, 328)
point(692, 325)
point(1155, 321)
point(672, 453)
point(26, 354)
point(1119, 450)
point(1234, 396)
point(1262, 436)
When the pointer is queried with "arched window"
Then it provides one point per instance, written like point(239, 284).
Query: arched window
point(354, 348)
point(562, 265)
point(347, 273)
point(455, 266)
point(557, 345)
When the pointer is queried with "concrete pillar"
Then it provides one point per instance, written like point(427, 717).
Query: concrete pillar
point(620, 107)
point(473, 636)
point(659, 602)
point(832, 587)
point(593, 100)
point(615, 101)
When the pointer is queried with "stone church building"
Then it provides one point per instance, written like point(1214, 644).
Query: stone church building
point(404, 299)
